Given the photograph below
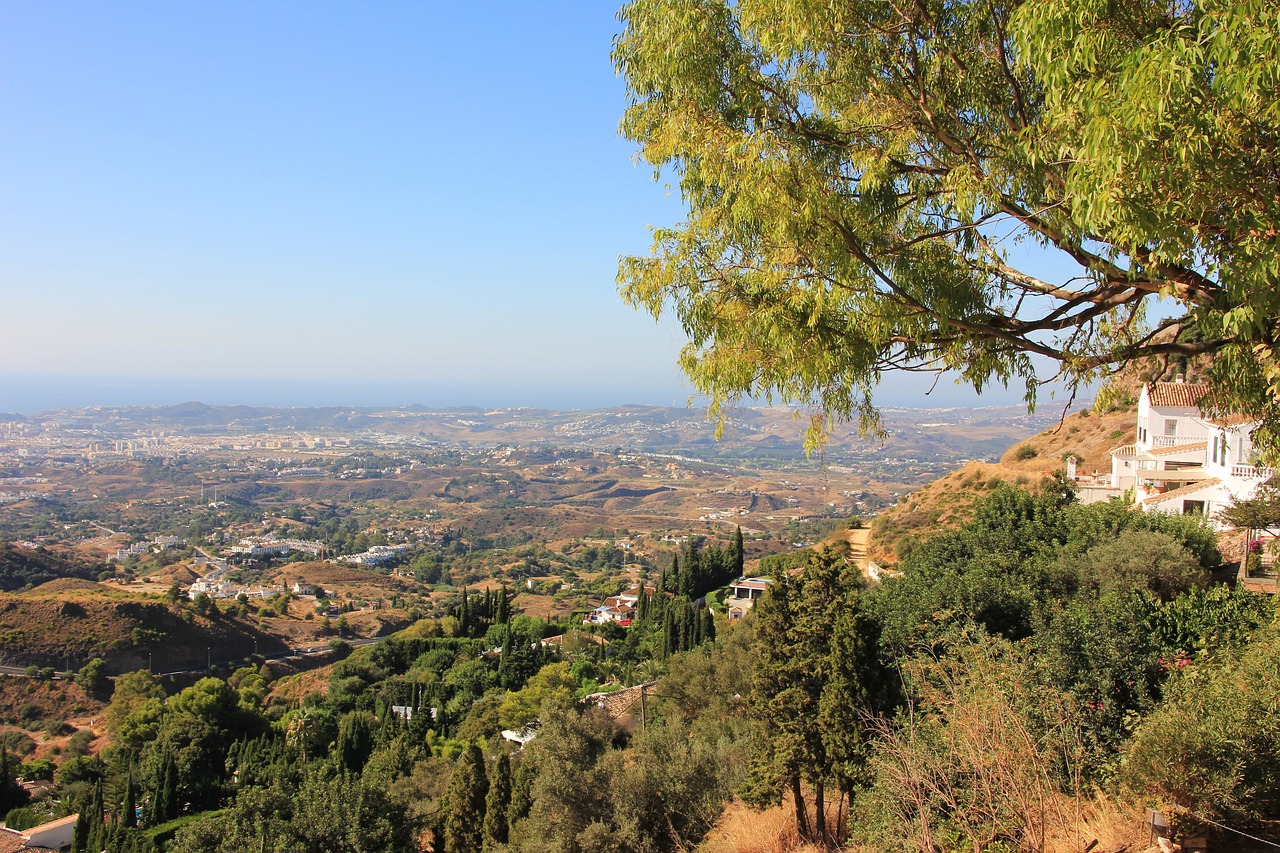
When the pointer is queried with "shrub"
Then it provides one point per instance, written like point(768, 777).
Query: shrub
point(1025, 452)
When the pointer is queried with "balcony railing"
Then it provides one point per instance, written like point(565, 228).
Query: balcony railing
point(1250, 472)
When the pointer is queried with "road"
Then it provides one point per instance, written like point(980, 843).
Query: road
point(291, 654)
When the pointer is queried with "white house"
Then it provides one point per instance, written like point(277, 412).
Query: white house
point(1184, 461)
point(743, 594)
point(54, 835)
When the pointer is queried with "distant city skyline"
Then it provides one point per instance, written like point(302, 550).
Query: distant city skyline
point(328, 202)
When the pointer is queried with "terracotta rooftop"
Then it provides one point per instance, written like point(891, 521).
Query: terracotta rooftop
point(12, 842)
point(1182, 492)
point(1176, 394)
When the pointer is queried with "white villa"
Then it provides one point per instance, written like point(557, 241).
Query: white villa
point(1183, 461)
point(743, 594)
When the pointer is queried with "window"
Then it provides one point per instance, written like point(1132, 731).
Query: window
point(1193, 507)
point(1170, 426)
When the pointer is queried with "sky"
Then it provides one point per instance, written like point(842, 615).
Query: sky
point(316, 203)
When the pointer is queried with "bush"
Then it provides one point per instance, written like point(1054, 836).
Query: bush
point(1025, 452)
point(18, 743)
point(57, 728)
point(37, 768)
point(79, 744)
point(1211, 746)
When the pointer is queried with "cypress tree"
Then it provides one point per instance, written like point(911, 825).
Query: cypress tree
point(521, 792)
point(708, 626)
point(464, 803)
point(97, 828)
point(504, 606)
point(355, 741)
point(465, 618)
point(164, 802)
point(80, 835)
point(505, 676)
point(496, 803)
point(128, 814)
point(738, 554)
point(669, 634)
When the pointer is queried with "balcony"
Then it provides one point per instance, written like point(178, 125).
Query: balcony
point(1250, 472)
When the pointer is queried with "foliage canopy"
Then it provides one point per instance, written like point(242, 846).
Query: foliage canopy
point(858, 176)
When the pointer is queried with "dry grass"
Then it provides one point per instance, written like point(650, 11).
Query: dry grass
point(741, 830)
point(1112, 823)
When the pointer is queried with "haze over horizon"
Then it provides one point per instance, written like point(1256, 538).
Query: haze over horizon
point(30, 395)
point(328, 204)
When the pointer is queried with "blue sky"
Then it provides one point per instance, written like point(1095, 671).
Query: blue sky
point(299, 203)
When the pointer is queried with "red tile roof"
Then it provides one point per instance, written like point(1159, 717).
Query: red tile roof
point(1176, 394)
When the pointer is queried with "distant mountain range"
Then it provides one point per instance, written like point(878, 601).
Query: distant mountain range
point(940, 434)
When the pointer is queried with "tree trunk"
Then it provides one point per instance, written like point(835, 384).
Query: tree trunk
point(820, 814)
point(802, 813)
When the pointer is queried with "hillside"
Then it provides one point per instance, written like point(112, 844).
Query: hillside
point(20, 567)
point(67, 622)
point(946, 502)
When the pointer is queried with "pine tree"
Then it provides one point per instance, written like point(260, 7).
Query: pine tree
point(464, 803)
point(496, 803)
